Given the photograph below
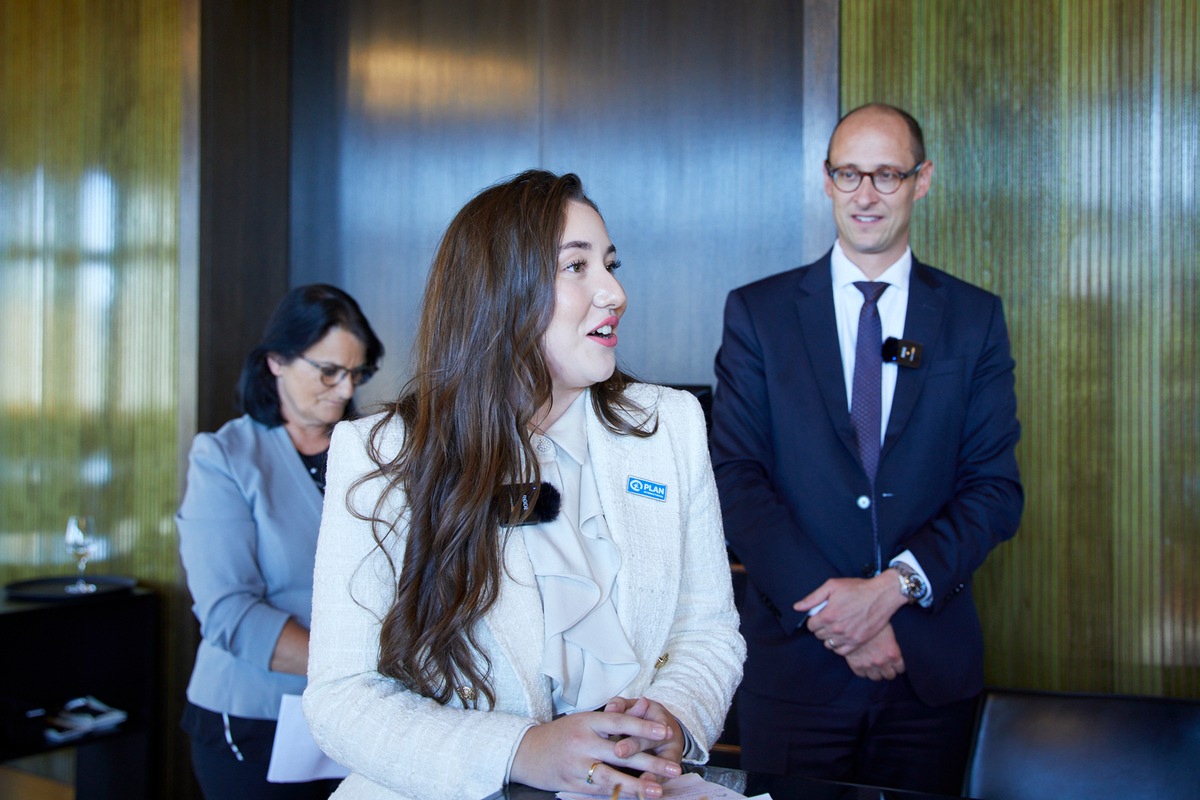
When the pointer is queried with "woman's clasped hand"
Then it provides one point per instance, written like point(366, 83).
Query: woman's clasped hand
point(634, 736)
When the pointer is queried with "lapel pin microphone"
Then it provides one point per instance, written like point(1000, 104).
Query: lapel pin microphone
point(902, 352)
point(516, 506)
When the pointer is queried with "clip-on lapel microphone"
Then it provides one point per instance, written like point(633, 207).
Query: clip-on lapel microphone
point(902, 352)
point(514, 502)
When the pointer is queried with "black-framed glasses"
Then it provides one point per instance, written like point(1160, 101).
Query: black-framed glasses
point(886, 180)
point(333, 374)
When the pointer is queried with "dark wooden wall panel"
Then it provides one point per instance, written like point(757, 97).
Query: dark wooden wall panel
point(245, 126)
point(686, 120)
point(436, 101)
point(1065, 142)
point(319, 74)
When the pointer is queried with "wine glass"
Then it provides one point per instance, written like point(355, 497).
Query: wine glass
point(81, 539)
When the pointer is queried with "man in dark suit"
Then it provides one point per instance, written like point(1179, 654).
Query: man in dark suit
point(864, 428)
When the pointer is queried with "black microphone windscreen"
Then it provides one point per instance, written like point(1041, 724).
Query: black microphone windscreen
point(548, 504)
point(513, 504)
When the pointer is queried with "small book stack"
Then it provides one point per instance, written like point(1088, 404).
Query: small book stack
point(81, 716)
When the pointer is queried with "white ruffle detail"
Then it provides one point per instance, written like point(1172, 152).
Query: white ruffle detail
point(587, 656)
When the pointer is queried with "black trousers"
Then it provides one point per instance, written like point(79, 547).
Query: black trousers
point(875, 732)
point(224, 776)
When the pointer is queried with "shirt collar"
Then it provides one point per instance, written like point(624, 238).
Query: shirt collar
point(568, 431)
point(846, 272)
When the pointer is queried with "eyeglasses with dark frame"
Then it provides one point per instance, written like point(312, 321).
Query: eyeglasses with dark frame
point(886, 180)
point(333, 374)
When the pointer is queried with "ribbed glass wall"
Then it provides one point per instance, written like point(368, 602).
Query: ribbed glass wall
point(89, 173)
point(1065, 140)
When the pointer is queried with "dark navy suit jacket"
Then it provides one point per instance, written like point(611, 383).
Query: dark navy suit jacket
point(792, 487)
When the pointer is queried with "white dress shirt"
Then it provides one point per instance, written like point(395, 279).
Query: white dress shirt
point(893, 309)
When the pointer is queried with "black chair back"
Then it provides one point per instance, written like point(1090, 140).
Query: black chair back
point(1057, 746)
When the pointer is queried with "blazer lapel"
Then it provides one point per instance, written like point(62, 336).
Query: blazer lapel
point(922, 323)
point(814, 305)
point(516, 623)
point(287, 455)
point(636, 522)
point(613, 463)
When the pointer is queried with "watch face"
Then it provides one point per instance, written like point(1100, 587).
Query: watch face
point(911, 585)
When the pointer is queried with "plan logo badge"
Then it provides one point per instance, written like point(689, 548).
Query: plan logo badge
point(655, 491)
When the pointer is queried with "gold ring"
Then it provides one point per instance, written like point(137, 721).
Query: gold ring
point(593, 769)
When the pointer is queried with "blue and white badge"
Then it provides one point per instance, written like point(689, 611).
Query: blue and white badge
point(645, 488)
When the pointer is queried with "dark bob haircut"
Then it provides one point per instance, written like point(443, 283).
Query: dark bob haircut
point(302, 318)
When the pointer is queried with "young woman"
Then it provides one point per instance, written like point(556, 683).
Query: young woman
point(521, 574)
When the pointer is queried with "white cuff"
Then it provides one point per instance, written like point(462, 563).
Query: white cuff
point(513, 755)
point(690, 751)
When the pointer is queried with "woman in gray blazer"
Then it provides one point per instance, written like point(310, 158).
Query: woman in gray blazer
point(248, 533)
point(521, 573)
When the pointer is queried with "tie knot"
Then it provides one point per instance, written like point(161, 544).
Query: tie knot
point(871, 289)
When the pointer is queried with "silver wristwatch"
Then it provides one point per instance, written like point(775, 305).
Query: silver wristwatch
point(911, 584)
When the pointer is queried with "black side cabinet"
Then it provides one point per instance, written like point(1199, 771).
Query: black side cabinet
point(104, 646)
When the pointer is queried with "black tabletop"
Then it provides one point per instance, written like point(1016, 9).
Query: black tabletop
point(752, 784)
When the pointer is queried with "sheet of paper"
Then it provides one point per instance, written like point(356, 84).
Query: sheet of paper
point(686, 787)
point(295, 757)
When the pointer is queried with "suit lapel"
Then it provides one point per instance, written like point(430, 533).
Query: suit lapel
point(649, 556)
point(286, 454)
point(814, 305)
point(613, 462)
point(922, 323)
point(515, 622)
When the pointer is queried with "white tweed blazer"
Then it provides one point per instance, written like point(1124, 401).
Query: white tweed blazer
point(674, 600)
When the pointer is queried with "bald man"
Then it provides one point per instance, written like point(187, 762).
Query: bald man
point(864, 428)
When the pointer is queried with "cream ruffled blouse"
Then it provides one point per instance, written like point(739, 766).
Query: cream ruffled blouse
point(587, 656)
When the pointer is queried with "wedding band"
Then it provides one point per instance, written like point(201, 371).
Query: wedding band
point(831, 644)
point(593, 769)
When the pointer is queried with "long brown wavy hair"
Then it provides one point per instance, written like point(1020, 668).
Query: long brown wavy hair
point(479, 378)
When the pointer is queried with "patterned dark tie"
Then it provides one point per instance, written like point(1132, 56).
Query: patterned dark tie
point(866, 399)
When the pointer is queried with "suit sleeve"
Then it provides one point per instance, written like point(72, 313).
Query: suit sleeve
point(369, 722)
point(988, 499)
point(218, 544)
point(783, 560)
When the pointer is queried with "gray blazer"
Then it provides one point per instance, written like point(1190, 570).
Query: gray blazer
point(673, 598)
point(248, 528)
